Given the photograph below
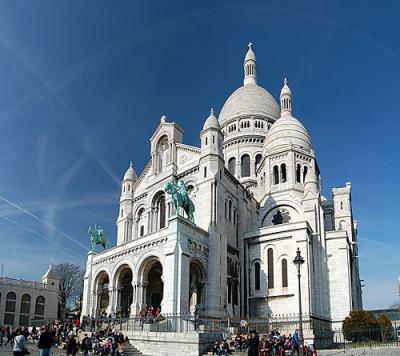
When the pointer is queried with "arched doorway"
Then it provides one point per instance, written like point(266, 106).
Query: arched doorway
point(196, 286)
point(153, 291)
point(102, 292)
point(125, 290)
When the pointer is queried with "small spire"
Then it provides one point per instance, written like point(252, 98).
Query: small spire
point(250, 66)
point(212, 111)
point(163, 119)
point(286, 98)
point(130, 164)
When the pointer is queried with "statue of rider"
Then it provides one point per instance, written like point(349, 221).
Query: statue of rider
point(183, 189)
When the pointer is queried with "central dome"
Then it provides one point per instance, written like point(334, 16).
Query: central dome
point(250, 99)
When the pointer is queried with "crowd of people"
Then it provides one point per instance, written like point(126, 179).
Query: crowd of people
point(64, 336)
point(273, 344)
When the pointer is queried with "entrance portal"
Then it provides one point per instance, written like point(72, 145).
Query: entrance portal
point(125, 291)
point(155, 286)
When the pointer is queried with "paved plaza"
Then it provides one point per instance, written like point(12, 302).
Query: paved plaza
point(7, 350)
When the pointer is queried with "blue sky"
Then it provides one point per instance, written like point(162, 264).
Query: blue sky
point(84, 83)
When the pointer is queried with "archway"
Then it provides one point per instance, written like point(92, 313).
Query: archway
point(102, 292)
point(125, 290)
point(196, 286)
point(153, 291)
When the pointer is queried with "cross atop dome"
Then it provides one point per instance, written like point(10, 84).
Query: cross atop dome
point(250, 44)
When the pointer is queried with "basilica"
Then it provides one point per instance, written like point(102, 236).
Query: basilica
point(255, 184)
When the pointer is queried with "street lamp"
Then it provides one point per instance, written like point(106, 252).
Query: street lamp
point(298, 261)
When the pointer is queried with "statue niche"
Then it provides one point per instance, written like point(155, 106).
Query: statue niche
point(162, 154)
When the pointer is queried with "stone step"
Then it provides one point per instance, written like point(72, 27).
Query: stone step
point(130, 350)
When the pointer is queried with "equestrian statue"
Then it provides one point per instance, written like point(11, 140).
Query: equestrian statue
point(98, 237)
point(180, 198)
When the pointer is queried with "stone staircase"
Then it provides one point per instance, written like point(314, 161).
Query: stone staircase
point(130, 350)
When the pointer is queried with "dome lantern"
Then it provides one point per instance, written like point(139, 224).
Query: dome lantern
point(211, 122)
point(250, 67)
point(286, 99)
point(130, 174)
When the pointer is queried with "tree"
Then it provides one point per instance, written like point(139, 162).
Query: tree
point(359, 325)
point(71, 285)
point(386, 327)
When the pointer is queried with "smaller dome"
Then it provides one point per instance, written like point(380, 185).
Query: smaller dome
point(130, 173)
point(250, 55)
point(51, 273)
point(285, 89)
point(285, 131)
point(211, 122)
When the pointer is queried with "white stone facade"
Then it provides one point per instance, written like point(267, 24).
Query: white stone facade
point(256, 186)
point(26, 303)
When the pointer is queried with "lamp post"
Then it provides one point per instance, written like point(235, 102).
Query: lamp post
point(298, 261)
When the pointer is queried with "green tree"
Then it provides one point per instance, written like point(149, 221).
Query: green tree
point(360, 325)
point(386, 327)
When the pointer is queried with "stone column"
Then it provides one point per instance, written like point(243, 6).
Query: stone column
point(87, 301)
point(111, 296)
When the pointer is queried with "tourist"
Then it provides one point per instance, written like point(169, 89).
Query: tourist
point(45, 342)
point(19, 348)
point(252, 344)
point(238, 343)
point(265, 347)
point(10, 337)
point(295, 342)
point(72, 346)
point(77, 325)
point(86, 345)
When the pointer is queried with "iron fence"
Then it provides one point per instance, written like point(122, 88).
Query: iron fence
point(314, 327)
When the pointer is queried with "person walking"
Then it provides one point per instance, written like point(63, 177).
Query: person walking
point(45, 342)
point(1, 336)
point(10, 337)
point(86, 345)
point(19, 348)
point(253, 344)
point(296, 343)
point(72, 346)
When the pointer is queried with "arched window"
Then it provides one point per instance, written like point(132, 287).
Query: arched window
point(246, 166)
point(205, 172)
point(25, 310)
point(161, 211)
point(258, 161)
point(257, 276)
point(140, 222)
point(206, 140)
point(283, 172)
point(9, 313)
point(298, 172)
point(276, 175)
point(235, 294)
point(270, 268)
point(284, 273)
point(229, 291)
point(39, 308)
point(162, 152)
point(232, 165)
point(230, 210)
point(305, 169)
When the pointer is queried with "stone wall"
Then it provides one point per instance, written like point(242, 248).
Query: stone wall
point(165, 343)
